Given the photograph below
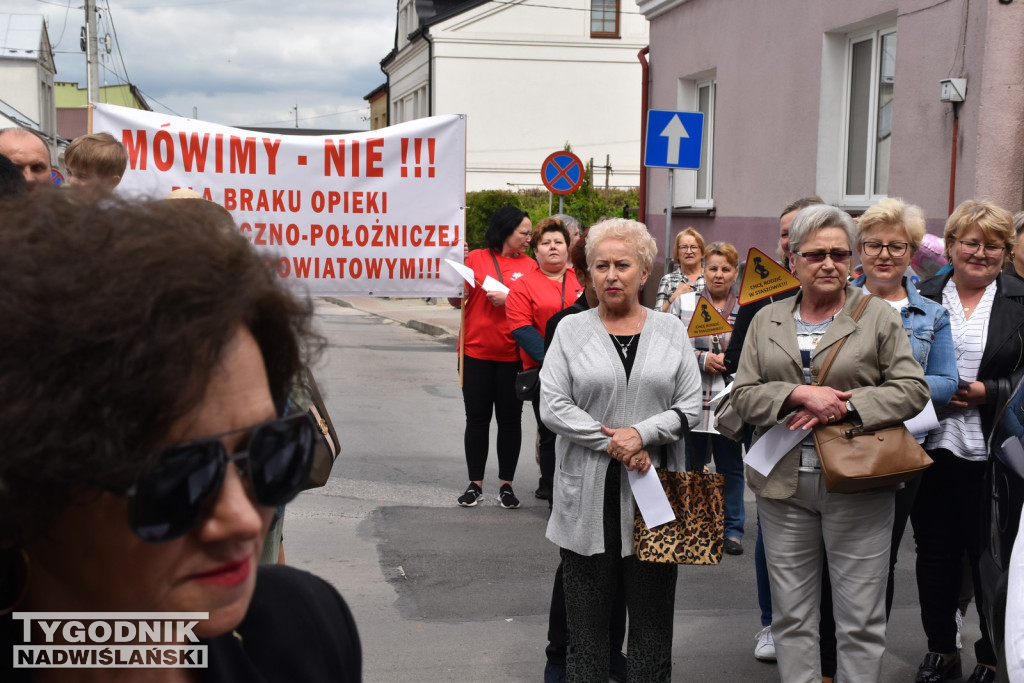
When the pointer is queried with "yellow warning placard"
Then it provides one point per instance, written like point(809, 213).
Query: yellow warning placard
point(707, 320)
point(763, 277)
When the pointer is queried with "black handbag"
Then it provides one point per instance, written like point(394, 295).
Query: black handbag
point(327, 446)
point(528, 384)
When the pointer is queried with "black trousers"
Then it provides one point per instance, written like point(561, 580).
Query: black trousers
point(558, 630)
point(546, 449)
point(590, 584)
point(488, 388)
point(947, 523)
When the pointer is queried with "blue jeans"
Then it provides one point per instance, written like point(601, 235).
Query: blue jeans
point(728, 457)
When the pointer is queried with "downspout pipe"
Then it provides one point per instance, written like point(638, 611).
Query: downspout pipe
point(387, 95)
point(430, 71)
point(952, 160)
point(645, 87)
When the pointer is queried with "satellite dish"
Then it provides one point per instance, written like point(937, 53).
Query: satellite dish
point(107, 42)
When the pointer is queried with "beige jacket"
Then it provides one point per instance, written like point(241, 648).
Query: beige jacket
point(876, 363)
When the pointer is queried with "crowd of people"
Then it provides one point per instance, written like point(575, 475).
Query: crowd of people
point(620, 381)
point(178, 445)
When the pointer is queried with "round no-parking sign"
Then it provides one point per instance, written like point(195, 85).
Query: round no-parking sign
point(562, 173)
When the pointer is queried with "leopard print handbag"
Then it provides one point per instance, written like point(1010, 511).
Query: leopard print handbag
point(697, 534)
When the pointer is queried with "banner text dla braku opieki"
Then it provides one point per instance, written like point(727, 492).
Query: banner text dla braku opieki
point(367, 214)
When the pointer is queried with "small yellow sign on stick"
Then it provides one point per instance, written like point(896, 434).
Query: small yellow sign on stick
point(707, 320)
point(763, 277)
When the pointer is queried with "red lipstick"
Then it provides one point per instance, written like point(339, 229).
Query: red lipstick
point(230, 574)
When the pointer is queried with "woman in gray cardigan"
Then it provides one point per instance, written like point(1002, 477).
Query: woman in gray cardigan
point(616, 385)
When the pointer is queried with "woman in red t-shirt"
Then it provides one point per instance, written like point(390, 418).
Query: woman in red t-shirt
point(533, 299)
point(490, 358)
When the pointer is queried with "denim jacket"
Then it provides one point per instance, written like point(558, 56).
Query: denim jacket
point(927, 326)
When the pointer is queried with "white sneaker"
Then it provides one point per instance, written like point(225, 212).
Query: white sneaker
point(765, 650)
point(959, 627)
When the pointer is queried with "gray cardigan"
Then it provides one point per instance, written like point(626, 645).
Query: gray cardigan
point(583, 386)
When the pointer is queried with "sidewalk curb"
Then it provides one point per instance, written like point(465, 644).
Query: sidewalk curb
point(424, 327)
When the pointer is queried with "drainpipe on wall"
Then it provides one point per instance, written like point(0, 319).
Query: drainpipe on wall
point(387, 96)
point(952, 159)
point(430, 71)
point(645, 85)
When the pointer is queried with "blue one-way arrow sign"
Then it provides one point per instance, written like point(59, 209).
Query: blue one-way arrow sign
point(674, 139)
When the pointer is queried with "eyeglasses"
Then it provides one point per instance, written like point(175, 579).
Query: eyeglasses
point(819, 256)
point(179, 490)
point(971, 247)
point(895, 249)
point(688, 247)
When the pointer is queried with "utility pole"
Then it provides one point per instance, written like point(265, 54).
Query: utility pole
point(91, 52)
point(296, 107)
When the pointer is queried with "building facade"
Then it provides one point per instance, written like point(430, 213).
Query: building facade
point(531, 77)
point(840, 99)
point(27, 73)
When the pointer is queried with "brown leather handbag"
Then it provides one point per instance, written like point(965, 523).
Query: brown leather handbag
point(854, 459)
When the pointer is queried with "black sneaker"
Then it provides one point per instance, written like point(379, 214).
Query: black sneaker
point(507, 499)
point(472, 495)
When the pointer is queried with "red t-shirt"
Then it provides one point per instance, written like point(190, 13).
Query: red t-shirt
point(488, 336)
point(534, 298)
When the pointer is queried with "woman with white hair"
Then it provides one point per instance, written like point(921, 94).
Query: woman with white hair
point(874, 381)
point(618, 384)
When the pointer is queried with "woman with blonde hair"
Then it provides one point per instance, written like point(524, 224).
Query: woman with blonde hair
point(986, 311)
point(721, 262)
point(618, 384)
point(688, 253)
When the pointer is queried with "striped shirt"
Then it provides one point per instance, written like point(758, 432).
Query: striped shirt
point(959, 431)
point(671, 281)
point(807, 337)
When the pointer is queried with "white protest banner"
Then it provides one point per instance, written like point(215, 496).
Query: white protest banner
point(367, 214)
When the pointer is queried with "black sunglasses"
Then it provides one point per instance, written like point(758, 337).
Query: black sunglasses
point(178, 491)
point(839, 256)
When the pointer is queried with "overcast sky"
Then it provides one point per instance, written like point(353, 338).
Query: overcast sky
point(237, 62)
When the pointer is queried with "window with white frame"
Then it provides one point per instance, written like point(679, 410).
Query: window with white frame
point(604, 19)
point(706, 105)
point(870, 76)
point(696, 188)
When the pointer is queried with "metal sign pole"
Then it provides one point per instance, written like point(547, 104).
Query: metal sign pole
point(668, 222)
point(561, 204)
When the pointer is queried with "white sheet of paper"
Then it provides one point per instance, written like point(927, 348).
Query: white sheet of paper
point(923, 421)
point(465, 271)
point(688, 302)
point(766, 453)
point(717, 398)
point(492, 285)
point(1013, 455)
point(650, 497)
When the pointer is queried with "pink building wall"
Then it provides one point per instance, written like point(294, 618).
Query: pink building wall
point(768, 58)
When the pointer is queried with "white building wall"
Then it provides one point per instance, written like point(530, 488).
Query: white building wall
point(21, 79)
point(530, 79)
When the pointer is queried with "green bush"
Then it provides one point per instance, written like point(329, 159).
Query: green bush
point(586, 204)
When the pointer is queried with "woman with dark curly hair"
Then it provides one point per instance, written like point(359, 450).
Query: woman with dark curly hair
point(490, 359)
point(148, 354)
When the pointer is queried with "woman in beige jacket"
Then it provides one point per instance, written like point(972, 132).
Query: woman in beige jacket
point(875, 381)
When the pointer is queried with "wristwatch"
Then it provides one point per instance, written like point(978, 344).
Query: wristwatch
point(850, 408)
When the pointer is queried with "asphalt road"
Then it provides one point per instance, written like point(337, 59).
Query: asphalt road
point(443, 593)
